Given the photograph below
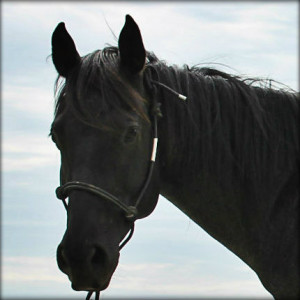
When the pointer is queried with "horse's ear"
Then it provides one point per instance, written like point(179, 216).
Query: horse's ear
point(64, 53)
point(132, 51)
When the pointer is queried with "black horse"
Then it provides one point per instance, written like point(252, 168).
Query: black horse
point(228, 157)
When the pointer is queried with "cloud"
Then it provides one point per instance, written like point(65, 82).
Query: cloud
point(24, 152)
point(185, 280)
point(24, 268)
point(147, 279)
point(28, 276)
point(29, 99)
point(27, 116)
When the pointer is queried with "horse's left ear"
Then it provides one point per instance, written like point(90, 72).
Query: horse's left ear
point(64, 54)
point(131, 47)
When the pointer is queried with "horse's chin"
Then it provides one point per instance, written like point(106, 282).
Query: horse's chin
point(95, 286)
point(90, 271)
point(91, 280)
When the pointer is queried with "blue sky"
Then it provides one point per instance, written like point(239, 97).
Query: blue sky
point(169, 254)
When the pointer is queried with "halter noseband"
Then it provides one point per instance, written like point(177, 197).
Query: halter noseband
point(131, 212)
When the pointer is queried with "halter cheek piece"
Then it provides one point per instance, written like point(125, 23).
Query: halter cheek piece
point(131, 212)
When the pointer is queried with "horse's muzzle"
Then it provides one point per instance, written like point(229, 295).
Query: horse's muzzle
point(89, 269)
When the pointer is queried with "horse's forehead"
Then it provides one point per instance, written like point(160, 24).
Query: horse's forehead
point(111, 121)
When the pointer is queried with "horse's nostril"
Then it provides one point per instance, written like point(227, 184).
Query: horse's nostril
point(99, 257)
point(61, 260)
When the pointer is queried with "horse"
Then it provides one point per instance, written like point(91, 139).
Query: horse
point(222, 148)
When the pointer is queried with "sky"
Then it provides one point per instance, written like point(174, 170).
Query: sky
point(168, 254)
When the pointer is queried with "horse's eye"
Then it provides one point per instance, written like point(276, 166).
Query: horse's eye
point(131, 134)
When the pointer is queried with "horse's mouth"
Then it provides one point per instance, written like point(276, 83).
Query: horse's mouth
point(89, 288)
point(84, 284)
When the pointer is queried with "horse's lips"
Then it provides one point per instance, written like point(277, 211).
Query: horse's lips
point(89, 287)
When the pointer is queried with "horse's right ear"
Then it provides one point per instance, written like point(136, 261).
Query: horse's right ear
point(64, 54)
point(132, 51)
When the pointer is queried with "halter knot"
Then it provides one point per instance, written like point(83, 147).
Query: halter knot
point(60, 193)
point(156, 110)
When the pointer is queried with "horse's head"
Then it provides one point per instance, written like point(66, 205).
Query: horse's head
point(104, 131)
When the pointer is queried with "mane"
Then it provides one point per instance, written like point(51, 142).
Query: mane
point(238, 128)
point(97, 77)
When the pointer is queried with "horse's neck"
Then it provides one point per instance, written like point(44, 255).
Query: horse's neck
point(247, 228)
point(229, 213)
point(199, 194)
point(219, 212)
point(253, 211)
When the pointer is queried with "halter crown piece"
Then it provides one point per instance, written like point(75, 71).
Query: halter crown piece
point(131, 212)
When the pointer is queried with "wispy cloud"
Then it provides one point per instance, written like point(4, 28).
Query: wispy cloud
point(33, 276)
point(148, 279)
point(185, 280)
point(23, 152)
point(24, 268)
point(29, 99)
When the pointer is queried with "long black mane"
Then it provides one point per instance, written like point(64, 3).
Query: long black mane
point(98, 77)
point(238, 129)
